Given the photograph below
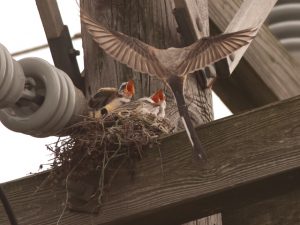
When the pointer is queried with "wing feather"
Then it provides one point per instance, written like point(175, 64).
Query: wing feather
point(211, 49)
point(127, 50)
point(132, 58)
point(102, 97)
point(123, 51)
point(143, 65)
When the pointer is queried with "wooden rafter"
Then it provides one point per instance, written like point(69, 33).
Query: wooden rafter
point(248, 155)
point(252, 13)
point(258, 79)
point(267, 73)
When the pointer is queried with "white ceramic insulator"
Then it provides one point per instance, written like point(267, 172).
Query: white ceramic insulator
point(284, 23)
point(12, 79)
point(62, 103)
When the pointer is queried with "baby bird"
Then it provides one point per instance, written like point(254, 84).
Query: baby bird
point(155, 104)
point(107, 99)
point(170, 65)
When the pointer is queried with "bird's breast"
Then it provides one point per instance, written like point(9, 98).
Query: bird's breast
point(117, 102)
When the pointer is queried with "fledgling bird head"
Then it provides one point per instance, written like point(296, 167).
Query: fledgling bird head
point(158, 97)
point(127, 89)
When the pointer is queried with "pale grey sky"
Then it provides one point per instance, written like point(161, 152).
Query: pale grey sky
point(21, 28)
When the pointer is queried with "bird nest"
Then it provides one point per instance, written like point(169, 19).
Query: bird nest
point(101, 146)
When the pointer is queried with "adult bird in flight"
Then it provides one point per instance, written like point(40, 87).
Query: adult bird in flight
point(170, 65)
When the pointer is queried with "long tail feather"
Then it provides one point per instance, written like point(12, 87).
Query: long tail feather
point(176, 84)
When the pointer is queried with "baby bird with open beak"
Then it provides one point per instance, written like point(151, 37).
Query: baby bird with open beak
point(155, 104)
point(108, 99)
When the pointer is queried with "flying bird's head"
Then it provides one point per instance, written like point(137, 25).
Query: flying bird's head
point(159, 97)
point(127, 89)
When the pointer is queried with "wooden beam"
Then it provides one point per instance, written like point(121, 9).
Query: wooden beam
point(272, 210)
point(197, 13)
point(267, 73)
point(251, 156)
point(51, 18)
point(252, 13)
point(60, 42)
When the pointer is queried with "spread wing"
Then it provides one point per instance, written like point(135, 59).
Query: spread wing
point(102, 97)
point(127, 50)
point(208, 50)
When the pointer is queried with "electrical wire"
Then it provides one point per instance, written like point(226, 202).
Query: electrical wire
point(7, 207)
point(33, 49)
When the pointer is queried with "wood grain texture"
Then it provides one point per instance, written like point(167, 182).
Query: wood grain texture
point(266, 74)
point(252, 13)
point(252, 156)
point(278, 210)
point(197, 11)
point(50, 17)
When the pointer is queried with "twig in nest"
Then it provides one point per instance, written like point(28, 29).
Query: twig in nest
point(103, 145)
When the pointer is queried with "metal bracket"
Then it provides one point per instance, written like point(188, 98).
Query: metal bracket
point(59, 40)
point(64, 56)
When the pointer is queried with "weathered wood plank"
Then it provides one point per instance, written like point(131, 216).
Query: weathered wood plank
point(197, 11)
point(278, 210)
point(248, 156)
point(252, 13)
point(266, 73)
point(51, 18)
